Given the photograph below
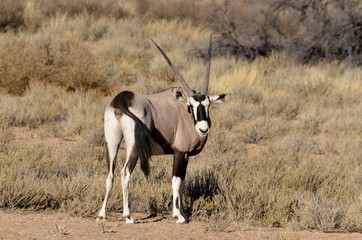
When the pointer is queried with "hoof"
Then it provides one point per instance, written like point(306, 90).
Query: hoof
point(129, 219)
point(99, 218)
point(182, 221)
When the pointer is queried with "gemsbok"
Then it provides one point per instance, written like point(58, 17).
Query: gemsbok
point(174, 121)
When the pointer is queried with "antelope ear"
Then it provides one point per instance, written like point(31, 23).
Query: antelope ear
point(178, 95)
point(220, 98)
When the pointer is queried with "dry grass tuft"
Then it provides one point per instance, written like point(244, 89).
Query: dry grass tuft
point(6, 135)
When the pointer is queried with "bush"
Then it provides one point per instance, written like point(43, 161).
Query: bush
point(11, 14)
point(308, 30)
point(19, 63)
point(62, 63)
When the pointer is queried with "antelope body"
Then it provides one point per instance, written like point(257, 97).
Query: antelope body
point(175, 121)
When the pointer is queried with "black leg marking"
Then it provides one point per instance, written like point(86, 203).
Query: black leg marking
point(179, 165)
point(132, 160)
point(177, 203)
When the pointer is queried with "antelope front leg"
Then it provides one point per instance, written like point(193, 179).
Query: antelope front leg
point(177, 187)
point(178, 183)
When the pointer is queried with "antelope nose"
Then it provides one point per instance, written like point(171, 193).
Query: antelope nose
point(204, 131)
point(202, 128)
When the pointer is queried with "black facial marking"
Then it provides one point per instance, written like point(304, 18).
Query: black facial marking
point(191, 110)
point(199, 97)
point(201, 110)
point(201, 113)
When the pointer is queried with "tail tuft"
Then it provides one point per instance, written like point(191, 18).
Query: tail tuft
point(143, 145)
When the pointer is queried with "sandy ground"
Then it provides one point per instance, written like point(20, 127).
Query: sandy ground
point(54, 225)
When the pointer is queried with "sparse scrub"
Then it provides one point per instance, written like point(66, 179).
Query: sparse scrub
point(106, 8)
point(83, 118)
point(6, 134)
point(39, 105)
point(263, 130)
point(352, 220)
point(248, 95)
point(311, 122)
point(286, 150)
point(293, 149)
point(285, 106)
point(319, 214)
point(39, 177)
point(345, 121)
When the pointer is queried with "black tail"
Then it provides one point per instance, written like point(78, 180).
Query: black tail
point(142, 134)
point(143, 144)
point(143, 139)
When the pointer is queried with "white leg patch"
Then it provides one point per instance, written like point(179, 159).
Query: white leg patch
point(177, 187)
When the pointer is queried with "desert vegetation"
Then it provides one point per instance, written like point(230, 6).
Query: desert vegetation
point(285, 151)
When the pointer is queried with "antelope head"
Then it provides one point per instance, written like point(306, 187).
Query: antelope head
point(197, 103)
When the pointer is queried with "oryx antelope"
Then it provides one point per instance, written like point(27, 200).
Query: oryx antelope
point(174, 121)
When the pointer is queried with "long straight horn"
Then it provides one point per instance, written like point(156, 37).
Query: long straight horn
point(208, 64)
point(189, 91)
